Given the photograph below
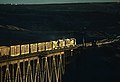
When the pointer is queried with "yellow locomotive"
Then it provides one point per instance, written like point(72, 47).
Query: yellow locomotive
point(17, 50)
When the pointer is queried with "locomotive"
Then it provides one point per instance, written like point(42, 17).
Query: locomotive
point(16, 50)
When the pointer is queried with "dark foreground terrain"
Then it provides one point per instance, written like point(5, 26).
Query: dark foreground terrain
point(94, 65)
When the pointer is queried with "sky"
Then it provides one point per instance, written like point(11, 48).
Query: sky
point(51, 1)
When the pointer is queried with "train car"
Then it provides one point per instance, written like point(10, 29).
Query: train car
point(15, 50)
point(33, 48)
point(25, 49)
point(49, 46)
point(55, 44)
point(72, 41)
point(67, 42)
point(41, 47)
point(4, 50)
point(61, 43)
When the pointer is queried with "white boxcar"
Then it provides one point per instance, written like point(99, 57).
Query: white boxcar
point(72, 41)
point(4, 51)
point(67, 42)
point(61, 43)
point(15, 50)
point(41, 46)
point(25, 49)
point(55, 44)
point(33, 48)
point(49, 45)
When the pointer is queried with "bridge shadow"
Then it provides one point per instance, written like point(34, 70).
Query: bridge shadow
point(94, 65)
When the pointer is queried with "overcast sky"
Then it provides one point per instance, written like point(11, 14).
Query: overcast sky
point(51, 1)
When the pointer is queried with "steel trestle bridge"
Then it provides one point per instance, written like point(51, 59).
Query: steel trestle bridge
point(48, 66)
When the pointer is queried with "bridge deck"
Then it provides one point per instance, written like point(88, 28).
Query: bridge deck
point(26, 57)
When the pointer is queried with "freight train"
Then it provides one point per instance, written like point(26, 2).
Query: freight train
point(16, 50)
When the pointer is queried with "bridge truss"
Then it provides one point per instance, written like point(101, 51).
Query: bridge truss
point(34, 69)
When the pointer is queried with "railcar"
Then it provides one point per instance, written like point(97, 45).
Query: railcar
point(49, 46)
point(4, 50)
point(61, 43)
point(72, 42)
point(41, 46)
point(55, 44)
point(33, 48)
point(67, 42)
point(25, 49)
point(15, 50)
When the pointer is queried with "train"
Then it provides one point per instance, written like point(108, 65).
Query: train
point(17, 50)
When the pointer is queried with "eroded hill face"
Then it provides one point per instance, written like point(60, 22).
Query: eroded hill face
point(62, 17)
point(19, 23)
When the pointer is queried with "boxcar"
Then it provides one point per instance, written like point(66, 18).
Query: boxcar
point(33, 48)
point(15, 50)
point(67, 42)
point(25, 49)
point(61, 43)
point(72, 42)
point(49, 46)
point(4, 51)
point(55, 44)
point(41, 46)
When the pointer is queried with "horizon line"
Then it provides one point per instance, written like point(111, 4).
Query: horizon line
point(55, 3)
